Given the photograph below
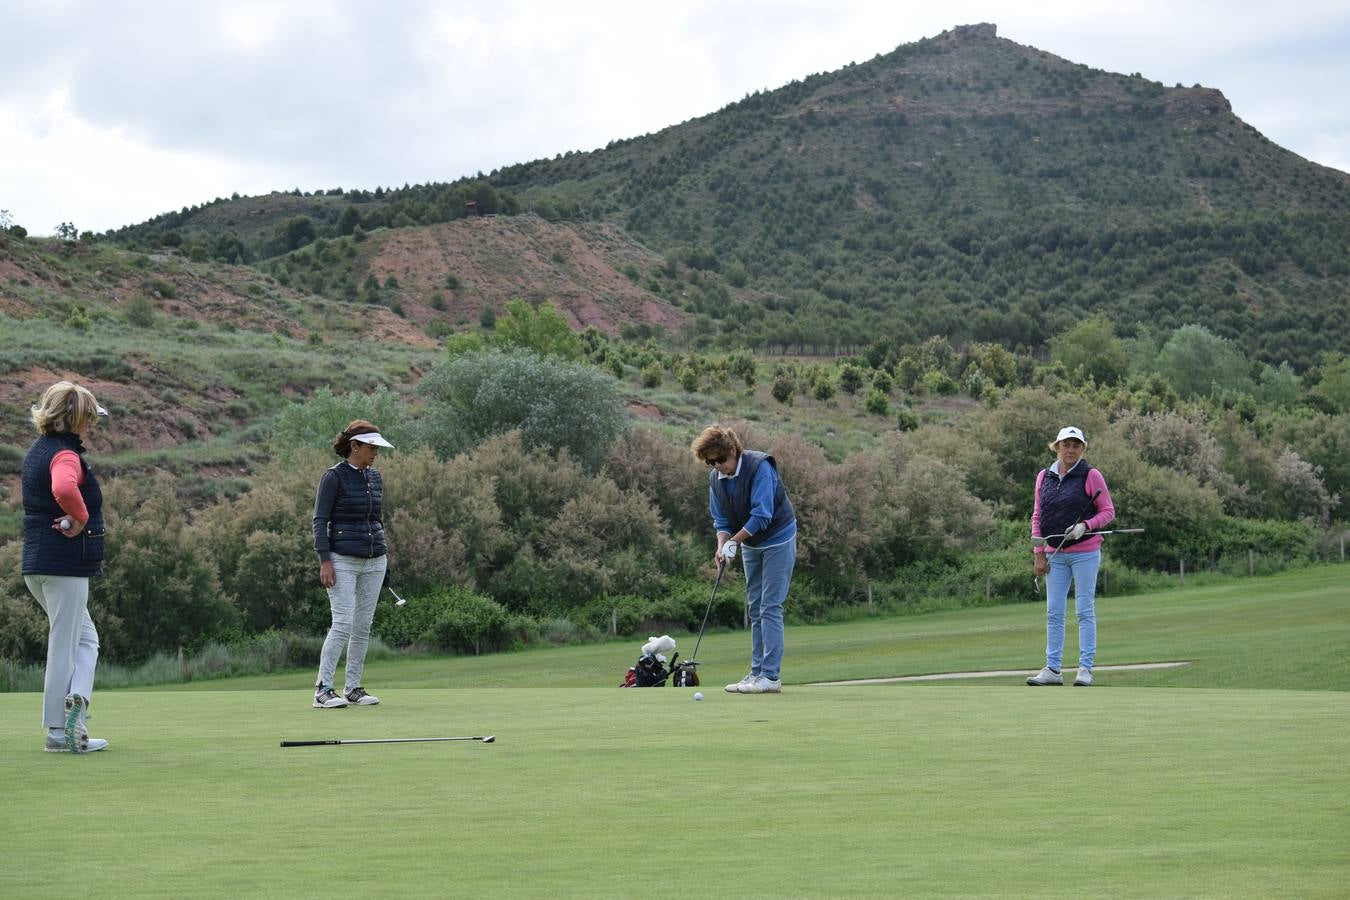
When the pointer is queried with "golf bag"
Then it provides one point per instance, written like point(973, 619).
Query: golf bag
point(684, 674)
point(651, 670)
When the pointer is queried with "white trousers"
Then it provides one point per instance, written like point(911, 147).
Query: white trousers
point(72, 642)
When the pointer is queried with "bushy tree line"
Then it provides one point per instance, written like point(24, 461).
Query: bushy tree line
point(522, 506)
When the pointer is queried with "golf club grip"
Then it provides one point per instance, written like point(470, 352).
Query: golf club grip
point(307, 743)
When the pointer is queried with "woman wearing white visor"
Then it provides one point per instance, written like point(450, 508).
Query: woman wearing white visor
point(349, 538)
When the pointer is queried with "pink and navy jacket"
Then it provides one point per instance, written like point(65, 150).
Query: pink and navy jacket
point(1060, 502)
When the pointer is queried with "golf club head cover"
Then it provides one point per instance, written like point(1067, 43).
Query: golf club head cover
point(658, 645)
point(729, 550)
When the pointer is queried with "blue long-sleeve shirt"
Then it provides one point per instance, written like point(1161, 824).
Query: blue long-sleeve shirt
point(762, 492)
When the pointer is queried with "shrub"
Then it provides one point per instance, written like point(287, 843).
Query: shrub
point(552, 404)
point(468, 623)
point(159, 585)
point(140, 312)
point(158, 287)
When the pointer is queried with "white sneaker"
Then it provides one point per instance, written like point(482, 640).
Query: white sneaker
point(1046, 676)
point(327, 698)
point(736, 688)
point(56, 743)
point(1084, 678)
point(761, 685)
point(359, 696)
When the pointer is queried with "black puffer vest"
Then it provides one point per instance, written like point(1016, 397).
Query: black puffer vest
point(736, 503)
point(348, 512)
point(1064, 503)
point(45, 550)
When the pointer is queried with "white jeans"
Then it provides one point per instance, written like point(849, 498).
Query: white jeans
point(352, 598)
point(72, 642)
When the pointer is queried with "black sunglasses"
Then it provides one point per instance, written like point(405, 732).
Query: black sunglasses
point(716, 462)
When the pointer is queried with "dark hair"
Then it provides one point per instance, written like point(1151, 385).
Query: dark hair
point(342, 444)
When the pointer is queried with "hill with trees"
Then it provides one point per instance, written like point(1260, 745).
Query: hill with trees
point(965, 186)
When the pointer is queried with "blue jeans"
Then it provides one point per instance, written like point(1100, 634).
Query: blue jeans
point(768, 572)
point(353, 599)
point(1081, 569)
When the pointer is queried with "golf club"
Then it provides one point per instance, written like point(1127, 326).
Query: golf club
point(488, 739)
point(398, 601)
point(1041, 541)
point(721, 567)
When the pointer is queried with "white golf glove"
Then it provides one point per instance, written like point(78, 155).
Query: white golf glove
point(729, 550)
point(1076, 532)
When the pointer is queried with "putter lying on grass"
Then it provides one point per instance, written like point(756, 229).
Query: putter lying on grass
point(487, 740)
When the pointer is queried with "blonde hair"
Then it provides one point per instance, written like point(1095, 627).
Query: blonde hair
point(64, 407)
point(715, 442)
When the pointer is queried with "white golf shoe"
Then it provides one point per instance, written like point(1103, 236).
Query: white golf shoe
point(327, 698)
point(1084, 678)
point(74, 736)
point(358, 696)
point(761, 685)
point(1045, 676)
point(736, 688)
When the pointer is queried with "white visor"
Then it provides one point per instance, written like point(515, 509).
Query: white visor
point(373, 437)
point(100, 411)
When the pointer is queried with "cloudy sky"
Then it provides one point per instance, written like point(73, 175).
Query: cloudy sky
point(112, 112)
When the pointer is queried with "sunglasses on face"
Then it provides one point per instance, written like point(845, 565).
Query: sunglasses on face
point(716, 462)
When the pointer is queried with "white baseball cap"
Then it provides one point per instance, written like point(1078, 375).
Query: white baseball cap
point(372, 437)
point(1068, 432)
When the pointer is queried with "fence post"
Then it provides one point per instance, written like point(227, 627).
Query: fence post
point(1181, 573)
point(869, 599)
point(614, 620)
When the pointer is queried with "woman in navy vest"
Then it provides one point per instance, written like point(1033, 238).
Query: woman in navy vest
point(349, 538)
point(1071, 500)
point(62, 549)
point(751, 510)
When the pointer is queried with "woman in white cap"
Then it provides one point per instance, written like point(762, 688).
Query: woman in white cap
point(62, 549)
point(349, 538)
point(1071, 500)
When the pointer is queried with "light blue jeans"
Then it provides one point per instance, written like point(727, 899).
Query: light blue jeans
point(1080, 568)
point(768, 572)
point(353, 599)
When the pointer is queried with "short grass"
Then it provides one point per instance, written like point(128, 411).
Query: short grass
point(982, 788)
point(600, 792)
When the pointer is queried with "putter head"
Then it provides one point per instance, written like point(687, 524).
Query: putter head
point(400, 602)
point(489, 739)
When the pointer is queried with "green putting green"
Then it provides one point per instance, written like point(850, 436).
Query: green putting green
point(980, 788)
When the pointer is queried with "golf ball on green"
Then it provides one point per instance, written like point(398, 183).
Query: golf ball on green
point(698, 695)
